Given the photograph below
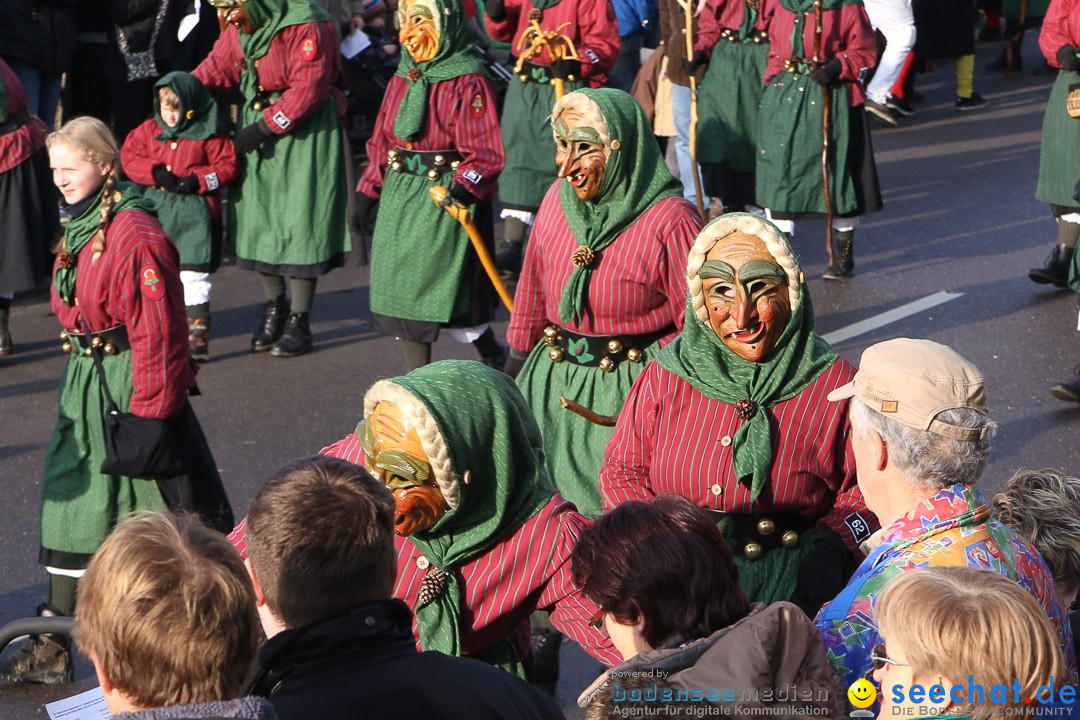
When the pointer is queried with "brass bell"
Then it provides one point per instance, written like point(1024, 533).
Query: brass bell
point(523, 77)
point(453, 165)
point(257, 105)
point(614, 347)
point(433, 174)
point(97, 342)
point(63, 334)
point(752, 551)
point(607, 364)
point(396, 166)
point(88, 352)
point(109, 349)
point(570, 78)
point(392, 155)
point(440, 159)
point(551, 336)
point(634, 355)
point(789, 539)
point(555, 354)
point(66, 347)
point(766, 526)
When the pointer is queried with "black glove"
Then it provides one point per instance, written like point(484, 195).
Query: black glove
point(700, 58)
point(188, 185)
point(828, 72)
point(1067, 57)
point(251, 137)
point(463, 196)
point(824, 572)
point(495, 9)
point(515, 362)
point(358, 215)
point(566, 69)
point(164, 179)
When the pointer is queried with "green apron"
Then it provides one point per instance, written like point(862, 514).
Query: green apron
point(789, 162)
point(530, 146)
point(288, 208)
point(429, 284)
point(728, 105)
point(1059, 160)
point(186, 220)
point(773, 576)
point(79, 505)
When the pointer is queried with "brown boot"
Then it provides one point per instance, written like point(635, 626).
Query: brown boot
point(199, 338)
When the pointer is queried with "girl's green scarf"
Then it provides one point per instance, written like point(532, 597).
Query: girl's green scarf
point(799, 357)
point(800, 8)
point(81, 230)
point(455, 56)
point(198, 111)
point(636, 178)
point(268, 18)
point(490, 432)
point(749, 19)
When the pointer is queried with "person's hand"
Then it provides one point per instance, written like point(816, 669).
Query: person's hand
point(358, 215)
point(188, 185)
point(700, 58)
point(495, 9)
point(461, 195)
point(828, 72)
point(824, 572)
point(1067, 57)
point(164, 179)
point(566, 69)
point(357, 23)
point(251, 137)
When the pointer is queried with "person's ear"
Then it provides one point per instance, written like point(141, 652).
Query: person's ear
point(260, 599)
point(106, 168)
point(103, 679)
point(879, 450)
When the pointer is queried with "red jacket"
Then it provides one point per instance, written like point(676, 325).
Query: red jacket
point(1060, 27)
point(721, 14)
point(21, 143)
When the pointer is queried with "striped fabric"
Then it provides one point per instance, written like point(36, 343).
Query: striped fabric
point(460, 115)
point(1061, 26)
point(845, 34)
point(638, 284)
point(671, 438)
point(22, 143)
point(303, 74)
point(212, 161)
point(721, 14)
point(592, 28)
point(121, 288)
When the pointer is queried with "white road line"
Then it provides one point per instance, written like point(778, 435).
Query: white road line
point(890, 316)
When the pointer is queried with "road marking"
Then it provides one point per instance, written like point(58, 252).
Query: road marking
point(890, 316)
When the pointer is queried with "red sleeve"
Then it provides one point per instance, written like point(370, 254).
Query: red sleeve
point(220, 70)
point(529, 317)
point(503, 30)
point(221, 167)
point(859, 53)
point(1056, 32)
point(624, 475)
point(708, 26)
point(381, 141)
point(310, 72)
point(678, 237)
point(849, 512)
point(600, 44)
point(348, 448)
point(136, 156)
point(477, 137)
point(148, 285)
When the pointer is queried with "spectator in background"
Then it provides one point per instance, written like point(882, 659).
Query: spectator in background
point(167, 617)
point(37, 39)
point(945, 29)
point(634, 18)
point(673, 32)
point(894, 20)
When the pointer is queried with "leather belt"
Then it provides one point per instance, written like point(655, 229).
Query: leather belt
point(757, 534)
point(602, 351)
point(535, 73)
point(431, 163)
point(798, 66)
point(755, 36)
point(111, 341)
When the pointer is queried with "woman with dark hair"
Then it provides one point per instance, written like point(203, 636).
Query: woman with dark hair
point(667, 587)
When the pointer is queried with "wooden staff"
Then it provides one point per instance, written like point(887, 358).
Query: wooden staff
point(688, 10)
point(559, 47)
point(826, 101)
point(441, 197)
point(593, 417)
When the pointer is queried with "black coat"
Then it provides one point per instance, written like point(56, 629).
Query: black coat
point(944, 28)
point(365, 664)
point(40, 33)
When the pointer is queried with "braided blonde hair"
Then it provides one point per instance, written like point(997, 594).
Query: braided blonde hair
point(97, 144)
point(775, 242)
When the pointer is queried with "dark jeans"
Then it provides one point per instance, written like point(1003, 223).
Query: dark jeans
point(629, 62)
point(42, 90)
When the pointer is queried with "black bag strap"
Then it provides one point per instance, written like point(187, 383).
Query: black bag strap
point(97, 355)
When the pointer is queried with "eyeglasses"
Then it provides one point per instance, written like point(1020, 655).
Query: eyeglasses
point(597, 620)
point(880, 658)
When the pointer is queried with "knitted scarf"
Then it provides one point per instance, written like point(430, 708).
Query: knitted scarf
point(81, 230)
point(455, 56)
point(268, 18)
point(636, 178)
point(198, 111)
point(799, 357)
point(800, 8)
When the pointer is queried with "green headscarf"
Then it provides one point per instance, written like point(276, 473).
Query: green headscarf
point(699, 356)
point(489, 431)
point(268, 18)
point(800, 8)
point(194, 99)
point(454, 57)
point(81, 230)
point(636, 178)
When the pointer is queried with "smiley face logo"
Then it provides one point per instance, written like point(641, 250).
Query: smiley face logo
point(862, 694)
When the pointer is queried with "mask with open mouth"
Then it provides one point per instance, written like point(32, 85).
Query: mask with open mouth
point(233, 12)
point(419, 34)
point(580, 153)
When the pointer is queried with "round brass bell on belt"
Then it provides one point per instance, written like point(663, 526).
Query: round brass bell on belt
point(63, 334)
point(97, 342)
point(88, 352)
point(433, 174)
point(257, 105)
point(523, 77)
point(396, 166)
point(765, 526)
point(109, 349)
point(551, 336)
point(752, 551)
point(571, 78)
point(454, 164)
point(634, 355)
point(607, 364)
point(614, 347)
point(789, 539)
point(555, 354)
point(392, 155)
point(66, 346)
point(440, 159)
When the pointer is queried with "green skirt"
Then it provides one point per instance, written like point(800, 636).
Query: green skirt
point(728, 105)
point(573, 446)
point(1059, 160)
point(186, 220)
point(288, 211)
point(528, 142)
point(418, 253)
point(773, 576)
point(790, 141)
point(79, 505)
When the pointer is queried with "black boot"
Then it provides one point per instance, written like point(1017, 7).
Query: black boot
point(199, 338)
point(273, 314)
point(297, 337)
point(1069, 391)
point(5, 333)
point(1056, 271)
point(508, 257)
point(544, 646)
point(43, 658)
point(843, 256)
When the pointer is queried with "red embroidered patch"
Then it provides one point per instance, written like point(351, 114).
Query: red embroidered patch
point(151, 284)
point(308, 49)
point(477, 106)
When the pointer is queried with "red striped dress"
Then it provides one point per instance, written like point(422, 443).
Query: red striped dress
point(671, 438)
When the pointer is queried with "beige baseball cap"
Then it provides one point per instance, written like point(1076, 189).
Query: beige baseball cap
point(911, 381)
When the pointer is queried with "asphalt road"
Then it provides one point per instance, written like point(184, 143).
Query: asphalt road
point(960, 216)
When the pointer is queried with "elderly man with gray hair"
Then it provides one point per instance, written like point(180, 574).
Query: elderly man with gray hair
point(921, 435)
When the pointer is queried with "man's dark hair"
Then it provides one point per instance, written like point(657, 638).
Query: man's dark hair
point(664, 563)
point(320, 535)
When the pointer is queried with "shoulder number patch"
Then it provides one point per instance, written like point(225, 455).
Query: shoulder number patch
point(281, 120)
point(477, 106)
point(151, 283)
point(859, 528)
point(309, 48)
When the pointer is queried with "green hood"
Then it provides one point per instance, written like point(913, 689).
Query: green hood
point(269, 17)
point(198, 111)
